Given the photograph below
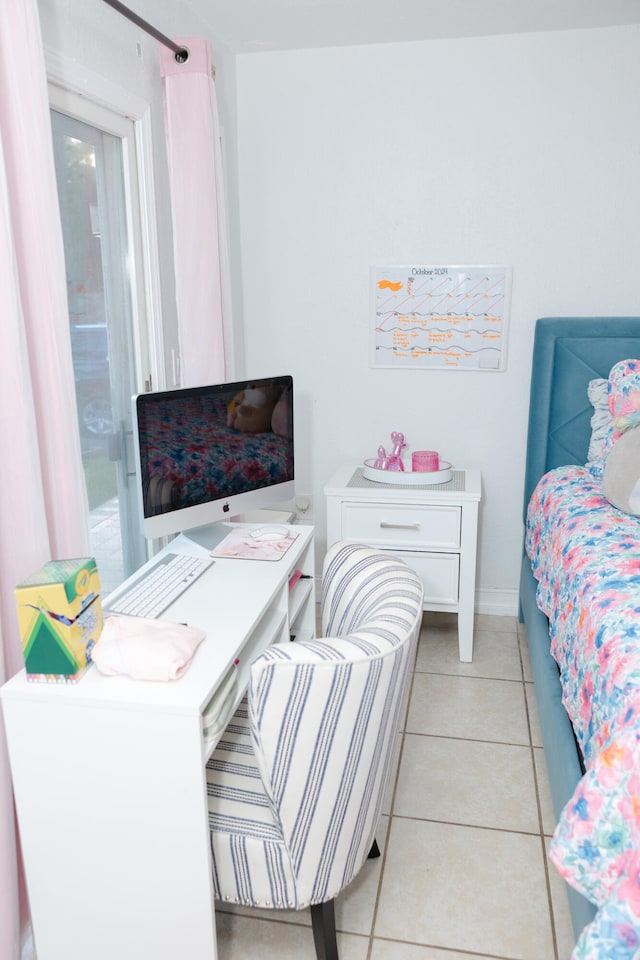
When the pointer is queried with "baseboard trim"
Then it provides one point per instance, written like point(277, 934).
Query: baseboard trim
point(499, 603)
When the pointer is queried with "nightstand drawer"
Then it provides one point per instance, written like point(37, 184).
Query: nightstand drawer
point(402, 525)
point(440, 574)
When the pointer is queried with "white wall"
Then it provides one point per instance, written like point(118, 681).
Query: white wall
point(517, 149)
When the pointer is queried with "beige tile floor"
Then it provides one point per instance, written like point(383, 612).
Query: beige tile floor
point(463, 873)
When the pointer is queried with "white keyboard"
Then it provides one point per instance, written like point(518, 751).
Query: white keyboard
point(159, 586)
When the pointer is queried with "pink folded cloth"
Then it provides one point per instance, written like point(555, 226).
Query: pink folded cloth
point(145, 649)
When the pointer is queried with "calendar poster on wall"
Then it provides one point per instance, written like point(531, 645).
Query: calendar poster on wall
point(440, 317)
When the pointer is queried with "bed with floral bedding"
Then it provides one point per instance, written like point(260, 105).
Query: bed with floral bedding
point(586, 558)
point(580, 599)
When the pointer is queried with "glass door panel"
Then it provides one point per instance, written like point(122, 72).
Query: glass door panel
point(91, 190)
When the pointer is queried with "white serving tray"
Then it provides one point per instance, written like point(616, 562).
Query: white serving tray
point(407, 477)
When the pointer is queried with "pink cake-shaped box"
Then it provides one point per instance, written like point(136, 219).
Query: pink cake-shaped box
point(425, 461)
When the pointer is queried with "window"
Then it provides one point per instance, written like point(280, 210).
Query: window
point(94, 153)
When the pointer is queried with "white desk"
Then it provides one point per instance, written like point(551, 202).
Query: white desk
point(109, 775)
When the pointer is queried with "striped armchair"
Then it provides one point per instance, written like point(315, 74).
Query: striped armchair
point(297, 781)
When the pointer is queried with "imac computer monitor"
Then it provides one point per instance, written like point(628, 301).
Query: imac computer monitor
point(210, 453)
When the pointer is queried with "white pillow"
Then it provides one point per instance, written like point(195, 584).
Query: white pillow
point(621, 480)
point(597, 392)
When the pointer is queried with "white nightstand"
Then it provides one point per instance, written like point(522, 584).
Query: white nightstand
point(433, 527)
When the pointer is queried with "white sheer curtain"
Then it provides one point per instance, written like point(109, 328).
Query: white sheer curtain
point(43, 508)
point(199, 232)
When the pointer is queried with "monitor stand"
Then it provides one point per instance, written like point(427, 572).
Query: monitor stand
point(209, 535)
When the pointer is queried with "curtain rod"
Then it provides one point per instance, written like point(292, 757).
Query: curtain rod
point(181, 53)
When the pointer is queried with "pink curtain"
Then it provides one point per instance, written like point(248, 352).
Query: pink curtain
point(43, 506)
point(195, 176)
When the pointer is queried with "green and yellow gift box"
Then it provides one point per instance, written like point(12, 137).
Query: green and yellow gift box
point(60, 619)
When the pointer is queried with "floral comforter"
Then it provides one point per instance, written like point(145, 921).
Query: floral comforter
point(585, 555)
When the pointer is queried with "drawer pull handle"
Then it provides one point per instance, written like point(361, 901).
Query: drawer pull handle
point(385, 525)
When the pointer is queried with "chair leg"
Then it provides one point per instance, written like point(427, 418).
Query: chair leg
point(323, 922)
point(374, 852)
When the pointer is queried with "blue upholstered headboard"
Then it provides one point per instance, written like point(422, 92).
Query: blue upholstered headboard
point(568, 352)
